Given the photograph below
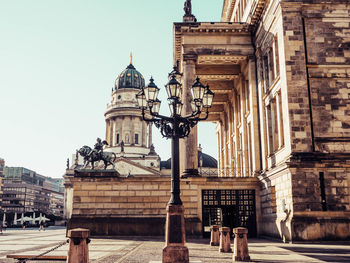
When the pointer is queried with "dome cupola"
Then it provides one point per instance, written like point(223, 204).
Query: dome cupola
point(130, 78)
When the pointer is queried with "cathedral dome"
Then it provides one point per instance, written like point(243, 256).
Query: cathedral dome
point(130, 78)
point(208, 161)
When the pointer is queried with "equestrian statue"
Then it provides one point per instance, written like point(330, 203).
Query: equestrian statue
point(97, 154)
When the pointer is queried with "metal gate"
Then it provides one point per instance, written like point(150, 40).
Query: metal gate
point(231, 208)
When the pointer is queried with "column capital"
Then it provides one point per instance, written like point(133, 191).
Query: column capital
point(189, 57)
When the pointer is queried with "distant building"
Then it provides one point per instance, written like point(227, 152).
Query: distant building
point(25, 191)
point(56, 203)
point(2, 165)
point(21, 197)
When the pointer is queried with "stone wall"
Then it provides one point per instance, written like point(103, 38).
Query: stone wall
point(328, 56)
point(296, 73)
point(111, 205)
point(315, 61)
point(276, 202)
point(291, 203)
point(328, 219)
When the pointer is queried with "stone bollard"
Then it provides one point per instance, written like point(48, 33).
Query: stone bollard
point(78, 245)
point(240, 245)
point(225, 243)
point(214, 235)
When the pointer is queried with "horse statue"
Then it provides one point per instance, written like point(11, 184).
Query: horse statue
point(92, 155)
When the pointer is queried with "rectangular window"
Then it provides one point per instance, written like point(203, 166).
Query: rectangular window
point(271, 67)
point(136, 138)
point(280, 115)
point(118, 138)
point(266, 73)
point(274, 119)
point(269, 129)
point(275, 124)
point(277, 60)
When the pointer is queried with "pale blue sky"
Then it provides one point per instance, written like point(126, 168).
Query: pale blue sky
point(59, 60)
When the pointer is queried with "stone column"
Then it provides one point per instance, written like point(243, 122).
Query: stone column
point(258, 113)
point(132, 130)
point(245, 151)
point(143, 133)
point(218, 134)
point(107, 131)
point(150, 135)
point(114, 139)
point(110, 137)
point(121, 119)
point(78, 245)
point(188, 145)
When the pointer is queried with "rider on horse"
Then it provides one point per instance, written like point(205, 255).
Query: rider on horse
point(99, 147)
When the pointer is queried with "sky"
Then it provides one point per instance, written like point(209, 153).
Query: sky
point(58, 63)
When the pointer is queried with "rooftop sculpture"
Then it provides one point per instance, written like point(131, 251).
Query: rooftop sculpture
point(97, 154)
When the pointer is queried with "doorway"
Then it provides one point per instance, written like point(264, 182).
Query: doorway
point(230, 208)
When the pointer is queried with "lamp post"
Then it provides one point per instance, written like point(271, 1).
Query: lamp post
point(175, 127)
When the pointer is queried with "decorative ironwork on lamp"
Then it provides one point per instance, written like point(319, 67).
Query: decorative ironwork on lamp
point(175, 126)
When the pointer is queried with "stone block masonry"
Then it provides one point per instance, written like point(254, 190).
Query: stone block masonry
point(137, 206)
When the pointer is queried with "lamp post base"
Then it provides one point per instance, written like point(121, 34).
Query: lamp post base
point(175, 250)
point(172, 254)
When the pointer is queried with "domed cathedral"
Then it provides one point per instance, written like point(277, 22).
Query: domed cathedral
point(127, 135)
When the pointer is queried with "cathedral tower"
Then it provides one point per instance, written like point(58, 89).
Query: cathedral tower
point(126, 133)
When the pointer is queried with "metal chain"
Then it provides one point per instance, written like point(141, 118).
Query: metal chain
point(44, 253)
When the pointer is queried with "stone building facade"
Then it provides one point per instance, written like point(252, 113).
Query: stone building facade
point(2, 166)
point(280, 73)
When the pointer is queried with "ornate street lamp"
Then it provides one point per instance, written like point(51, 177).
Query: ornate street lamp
point(175, 127)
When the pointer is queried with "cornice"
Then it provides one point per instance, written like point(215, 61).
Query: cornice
point(208, 28)
point(227, 10)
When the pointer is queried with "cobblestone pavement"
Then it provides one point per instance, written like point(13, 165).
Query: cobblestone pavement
point(146, 249)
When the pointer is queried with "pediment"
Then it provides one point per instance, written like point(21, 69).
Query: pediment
point(127, 167)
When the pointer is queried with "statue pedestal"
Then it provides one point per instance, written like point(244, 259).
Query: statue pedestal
point(189, 19)
point(175, 250)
